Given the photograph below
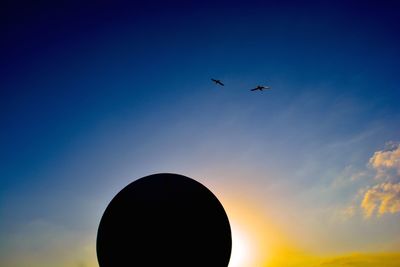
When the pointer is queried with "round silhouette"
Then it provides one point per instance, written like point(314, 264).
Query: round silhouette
point(164, 220)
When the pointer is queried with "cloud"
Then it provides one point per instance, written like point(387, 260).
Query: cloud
point(349, 260)
point(363, 260)
point(380, 195)
point(42, 243)
point(383, 198)
point(386, 161)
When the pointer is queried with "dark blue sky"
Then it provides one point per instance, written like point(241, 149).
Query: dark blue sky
point(94, 92)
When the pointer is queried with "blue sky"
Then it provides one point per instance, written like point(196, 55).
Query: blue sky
point(94, 96)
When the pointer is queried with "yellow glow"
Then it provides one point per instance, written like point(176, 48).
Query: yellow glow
point(252, 237)
point(241, 248)
point(257, 240)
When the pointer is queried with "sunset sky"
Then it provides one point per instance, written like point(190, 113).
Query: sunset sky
point(94, 95)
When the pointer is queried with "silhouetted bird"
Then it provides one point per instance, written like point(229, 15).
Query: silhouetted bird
point(260, 88)
point(217, 82)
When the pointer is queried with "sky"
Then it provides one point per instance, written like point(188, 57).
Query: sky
point(94, 95)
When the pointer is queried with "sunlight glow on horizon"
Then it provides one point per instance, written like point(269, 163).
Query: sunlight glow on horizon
point(241, 253)
point(253, 239)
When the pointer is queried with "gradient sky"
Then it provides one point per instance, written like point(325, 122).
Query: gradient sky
point(94, 96)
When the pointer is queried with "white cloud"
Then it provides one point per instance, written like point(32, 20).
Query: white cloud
point(387, 161)
point(382, 198)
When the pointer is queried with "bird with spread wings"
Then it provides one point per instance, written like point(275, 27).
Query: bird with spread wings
point(217, 82)
point(260, 88)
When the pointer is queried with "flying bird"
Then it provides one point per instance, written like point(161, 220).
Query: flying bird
point(260, 88)
point(217, 82)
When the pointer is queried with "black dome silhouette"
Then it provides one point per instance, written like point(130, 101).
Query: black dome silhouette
point(164, 220)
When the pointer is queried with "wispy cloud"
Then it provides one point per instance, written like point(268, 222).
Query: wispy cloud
point(363, 260)
point(350, 260)
point(46, 244)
